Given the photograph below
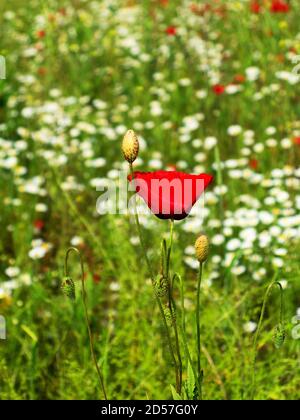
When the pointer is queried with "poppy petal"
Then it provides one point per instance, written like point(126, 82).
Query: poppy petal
point(170, 194)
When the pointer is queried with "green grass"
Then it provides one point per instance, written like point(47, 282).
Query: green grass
point(84, 55)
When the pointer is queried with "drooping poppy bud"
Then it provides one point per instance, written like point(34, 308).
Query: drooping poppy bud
point(68, 288)
point(170, 316)
point(161, 286)
point(279, 336)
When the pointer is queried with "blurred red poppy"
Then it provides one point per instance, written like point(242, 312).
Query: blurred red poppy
point(171, 30)
point(42, 71)
point(96, 278)
point(239, 78)
point(218, 89)
point(39, 224)
point(297, 141)
point(170, 194)
point(41, 33)
point(253, 163)
point(255, 7)
point(195, 8)
point(279, 6)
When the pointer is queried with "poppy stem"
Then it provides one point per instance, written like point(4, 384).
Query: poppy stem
point(259, 327)
point(91, 340)
point(173, 312)
point(182, 328)
point(170, 247)
point(198, 315)
point(161, 309)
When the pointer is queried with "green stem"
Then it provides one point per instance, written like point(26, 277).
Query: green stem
point(182, 328)
point(170, 247)
point(153, 279)
point(91, 340)
point(259, 327)
point(173, 312)
point(178, 277)
point(199, 370)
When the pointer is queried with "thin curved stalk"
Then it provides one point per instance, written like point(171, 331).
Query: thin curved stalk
point(170, 247)
point(91, 340)
point(259, 327)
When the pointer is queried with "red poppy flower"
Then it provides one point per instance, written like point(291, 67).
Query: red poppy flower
point(297, 141)
point(218, 89)
point(96, 278)
point(194, 8)
point(280, 58)
point(220, 11)
point(170, 194)
point(255, 7)
point(200, 10)
point(279, 6)
point(42, 71)
point(41, 33)
point(253, 163)
point(171, 30)
point(39, 224)
point(239, 78)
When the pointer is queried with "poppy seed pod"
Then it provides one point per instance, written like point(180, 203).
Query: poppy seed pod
point(130, 146)
point(202, 248)
point(68, 288)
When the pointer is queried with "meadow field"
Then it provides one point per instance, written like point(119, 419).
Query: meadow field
point(209, 87)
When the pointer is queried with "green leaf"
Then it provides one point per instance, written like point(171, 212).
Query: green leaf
point(30, 333)
point(175, 394)
point(190, 383)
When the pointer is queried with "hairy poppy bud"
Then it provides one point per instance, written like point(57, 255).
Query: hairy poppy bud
point(161, 286)
point(68, 288)
point(202, 248)
point(130, 146)
point(170, 316)
point(279, 336)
